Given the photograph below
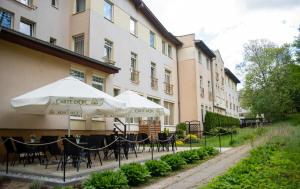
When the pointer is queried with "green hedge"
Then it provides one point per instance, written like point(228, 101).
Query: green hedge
point(214, 120)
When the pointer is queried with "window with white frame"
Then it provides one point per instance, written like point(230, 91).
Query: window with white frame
point(208, 63)
point(133, 65)
point(54, 3)
point(199, 57)
point(108, 50)
point(164, 47)
point(168, 76)
point(169, 120)
point(26, 27)
point(78, 41)
point(153, 70)
point(98, 82)
point(152, 39)
point(108, 10)
point(80, 6)
point(26, 2)
point(170, 51)
point(6, 19)
point(133, 26)
point(77, 74)
point(157, 101)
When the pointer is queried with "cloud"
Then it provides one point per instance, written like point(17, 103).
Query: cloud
point(270, 4)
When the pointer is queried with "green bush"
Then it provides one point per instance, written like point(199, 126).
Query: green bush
point(211, 151)
point(202, 153)
point(157, 167)
point(36, 184)
point(174, 160)
point(213, 120)
point(192, 137)
point(135, 173)
point(106, 179)
point(189, 156)
point(63, 187)
point(181, 129)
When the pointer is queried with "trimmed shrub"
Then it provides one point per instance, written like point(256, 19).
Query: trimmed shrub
point(211, 151)
point(179, 142)
point(36, 185)
point(158, 168)
point(192, 137)
point(135, 173)
point(189, 156)
point(213, 120)
point(106, 179)
point(174, 160)
point(181, 129)
point(202, 153)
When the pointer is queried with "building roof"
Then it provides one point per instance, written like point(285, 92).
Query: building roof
point(201, 45)
point(45, 47)
point(140, 5)
point(231, 75)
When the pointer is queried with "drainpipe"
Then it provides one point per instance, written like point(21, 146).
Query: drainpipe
point(213, 84)
point(178, 85)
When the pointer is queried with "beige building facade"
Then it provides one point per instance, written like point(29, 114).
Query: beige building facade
point(133, 49)
point(120, 33)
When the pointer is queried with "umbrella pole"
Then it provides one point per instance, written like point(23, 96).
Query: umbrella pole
point(69, 127)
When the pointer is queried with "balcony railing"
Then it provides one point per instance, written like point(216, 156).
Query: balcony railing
point(154, 82)
point(108, 61)
point(202, 92)
point(168, 88)
point(210, 96)
point(134, 77)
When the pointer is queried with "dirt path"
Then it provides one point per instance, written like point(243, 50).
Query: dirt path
point(202, 174)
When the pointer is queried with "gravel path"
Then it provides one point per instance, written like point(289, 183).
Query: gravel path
point(202, 174)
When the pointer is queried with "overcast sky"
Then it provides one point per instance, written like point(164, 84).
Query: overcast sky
point(228, 24)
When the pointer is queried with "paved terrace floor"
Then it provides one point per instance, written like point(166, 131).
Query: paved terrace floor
point(51, 176)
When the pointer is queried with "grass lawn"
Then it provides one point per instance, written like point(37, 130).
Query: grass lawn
point(275, 164)
point(244, 135)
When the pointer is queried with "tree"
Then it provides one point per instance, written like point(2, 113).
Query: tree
point(271, 77)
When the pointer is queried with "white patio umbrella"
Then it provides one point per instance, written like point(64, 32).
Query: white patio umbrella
point(138, 106)
point(68, 96)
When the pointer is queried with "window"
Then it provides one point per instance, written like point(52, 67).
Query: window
point(52, 41)
point(133, 65)
point(157, 101)
point(169, 120)
point(152, 39)
point(134, 75)
point(116, 92)
point(98, 82)
point(80, 6)
point(208, 84)
point(153, 70)
point(77, 74)
point(199, 57)
point(168, 76)
point(26, 27)
point(6, 19)
point(208, 63)
point(79, 44)
point(170, 51)
point(26, 2)
point(201, 82)
point(54, 3)
point(164, 47)
point(133, 26)
point(108, 48)
point(108, 10)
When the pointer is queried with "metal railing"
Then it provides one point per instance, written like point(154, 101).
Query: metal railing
point(168, 88)
point(154, 83)
point(134, 76)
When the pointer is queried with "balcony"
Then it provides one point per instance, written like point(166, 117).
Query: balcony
point(202, 92)
point(210, 96)
point(134, 77)
point(108, 61)
point(154, 82)
point(168, 88)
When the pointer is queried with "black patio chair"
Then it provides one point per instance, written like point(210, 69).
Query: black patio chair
point(53, 149)
point(145, 140)
point(96, 141)
point(9, 148)
point(130, 146)
point(24, 151)
point(163, 142)
point(112, 148)
point(74, 153)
